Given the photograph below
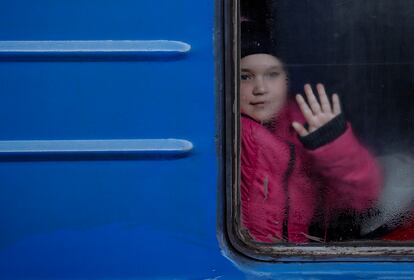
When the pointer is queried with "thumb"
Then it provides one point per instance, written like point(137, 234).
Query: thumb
point(300, 129)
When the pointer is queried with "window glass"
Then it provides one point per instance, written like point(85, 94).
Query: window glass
point(327, 125)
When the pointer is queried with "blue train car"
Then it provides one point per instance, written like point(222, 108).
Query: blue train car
point(118, 147)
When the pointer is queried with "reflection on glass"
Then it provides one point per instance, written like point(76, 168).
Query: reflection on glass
point(307, 174)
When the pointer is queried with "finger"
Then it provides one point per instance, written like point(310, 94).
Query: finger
point(326, 105)
point(300, 129)
point(336, 104)
point(306, 111)
point(313, 102)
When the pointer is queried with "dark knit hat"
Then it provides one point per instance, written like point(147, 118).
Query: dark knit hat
point(255, 39)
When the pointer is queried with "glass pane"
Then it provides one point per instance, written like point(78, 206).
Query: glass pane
point(327, 125)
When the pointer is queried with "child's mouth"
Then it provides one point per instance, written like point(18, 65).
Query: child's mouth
point(261, 103)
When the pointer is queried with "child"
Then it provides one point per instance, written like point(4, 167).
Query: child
point(298, 157)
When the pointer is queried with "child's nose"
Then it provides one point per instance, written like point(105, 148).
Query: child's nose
point(259, 87)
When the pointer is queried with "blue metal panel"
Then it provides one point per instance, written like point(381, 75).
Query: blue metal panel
point(140, 218)
point(325, 271)
point(106, 218)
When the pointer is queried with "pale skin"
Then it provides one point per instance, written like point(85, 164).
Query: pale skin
point(317, 113)
point(263, 92)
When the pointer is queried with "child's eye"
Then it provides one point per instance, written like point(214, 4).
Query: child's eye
point(245, 77)
point(273, 74)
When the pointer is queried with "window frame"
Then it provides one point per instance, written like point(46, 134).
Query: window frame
point(230, 232)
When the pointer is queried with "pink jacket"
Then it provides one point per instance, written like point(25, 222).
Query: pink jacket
point(283, 183)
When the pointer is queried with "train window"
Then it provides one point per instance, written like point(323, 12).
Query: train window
point(326, 136)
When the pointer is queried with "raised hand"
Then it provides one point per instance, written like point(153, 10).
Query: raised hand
point(317, 114)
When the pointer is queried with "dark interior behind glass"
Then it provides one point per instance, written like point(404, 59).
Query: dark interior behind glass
point(363, 50)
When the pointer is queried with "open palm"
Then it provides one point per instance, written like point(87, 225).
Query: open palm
point(317, 113)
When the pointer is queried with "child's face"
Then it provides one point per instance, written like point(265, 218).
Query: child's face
point(263, 86)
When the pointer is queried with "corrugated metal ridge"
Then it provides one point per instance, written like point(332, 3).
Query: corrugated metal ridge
point(94, 149)
point(92, 49)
